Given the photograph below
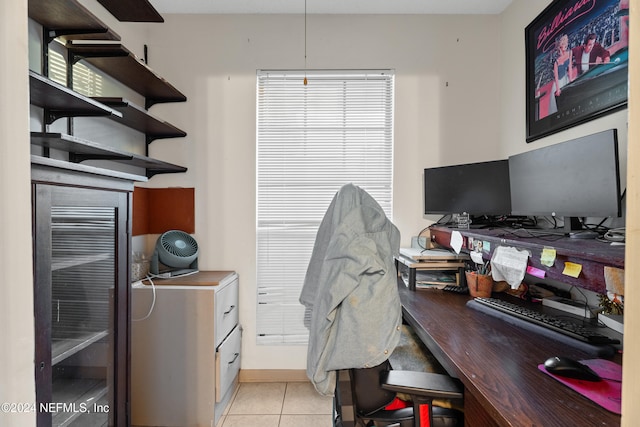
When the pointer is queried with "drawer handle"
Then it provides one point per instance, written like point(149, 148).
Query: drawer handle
point(230, 310)
point(235, 357)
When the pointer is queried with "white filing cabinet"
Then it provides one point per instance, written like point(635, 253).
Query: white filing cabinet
point(185, 356)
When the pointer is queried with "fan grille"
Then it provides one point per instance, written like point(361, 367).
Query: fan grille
point(179, 243)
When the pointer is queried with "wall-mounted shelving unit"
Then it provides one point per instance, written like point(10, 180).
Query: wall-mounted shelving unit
point(114, 60)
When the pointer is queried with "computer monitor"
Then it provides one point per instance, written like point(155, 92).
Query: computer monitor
point(475, 188)
point(576, 178)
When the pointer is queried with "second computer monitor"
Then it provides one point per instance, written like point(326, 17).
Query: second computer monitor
point(577, 178)
point(475, 188)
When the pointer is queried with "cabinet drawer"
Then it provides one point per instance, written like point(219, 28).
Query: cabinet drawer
point(226, 311)
point(228, 362)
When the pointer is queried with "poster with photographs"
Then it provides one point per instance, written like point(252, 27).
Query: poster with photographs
point(576, 64)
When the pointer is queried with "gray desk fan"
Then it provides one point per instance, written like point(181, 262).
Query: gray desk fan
point(177, 252)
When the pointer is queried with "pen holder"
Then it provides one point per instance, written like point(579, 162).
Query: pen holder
point(480, 285)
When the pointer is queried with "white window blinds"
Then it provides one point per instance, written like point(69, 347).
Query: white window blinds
point(312, 139)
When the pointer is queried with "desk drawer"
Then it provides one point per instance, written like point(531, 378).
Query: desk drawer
point(226, 310)
point(228, 362)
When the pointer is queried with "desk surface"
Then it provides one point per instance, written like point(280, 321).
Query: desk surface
point(497, 363)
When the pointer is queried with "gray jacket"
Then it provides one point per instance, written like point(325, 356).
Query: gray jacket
point(351, 289)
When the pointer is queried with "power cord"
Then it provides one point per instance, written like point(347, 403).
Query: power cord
point(615, 235)
point(587, 309)
point(153, 290)
point(153, 300)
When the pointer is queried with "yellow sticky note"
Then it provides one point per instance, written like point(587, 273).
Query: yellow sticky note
point(572, 269)
point(548, 257)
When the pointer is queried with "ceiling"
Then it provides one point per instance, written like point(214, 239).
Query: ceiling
point(333, 6)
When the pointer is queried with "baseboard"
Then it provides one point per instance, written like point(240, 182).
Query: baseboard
point(272, 375)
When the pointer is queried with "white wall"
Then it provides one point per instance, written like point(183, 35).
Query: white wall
point(16, 282)
point(447, 111)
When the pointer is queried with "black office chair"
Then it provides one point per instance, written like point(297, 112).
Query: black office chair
point(373, 389)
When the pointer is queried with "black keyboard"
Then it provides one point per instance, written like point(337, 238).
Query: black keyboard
point(563, 326)
point(456, 289)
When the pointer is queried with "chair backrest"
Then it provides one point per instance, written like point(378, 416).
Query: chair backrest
point(368, 395)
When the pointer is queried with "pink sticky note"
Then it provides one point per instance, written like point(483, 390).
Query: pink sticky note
point(536, 272)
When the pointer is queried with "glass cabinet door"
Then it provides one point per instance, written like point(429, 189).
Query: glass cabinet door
point(77, 306)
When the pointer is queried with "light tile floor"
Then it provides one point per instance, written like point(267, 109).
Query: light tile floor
point(293, 404)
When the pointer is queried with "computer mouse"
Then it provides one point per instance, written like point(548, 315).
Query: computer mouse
point(570, 368)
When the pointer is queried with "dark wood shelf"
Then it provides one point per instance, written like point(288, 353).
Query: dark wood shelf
point(132, 11)
point(81, 150)
point(154, 166)
point(45, 167)
point(592, 255)
point(77, 146)
point(60, 101)
point(118, 62)
point(139, 119)
point(69, 20)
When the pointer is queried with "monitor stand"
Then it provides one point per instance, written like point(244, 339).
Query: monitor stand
point(574, 230)
point(572, 225)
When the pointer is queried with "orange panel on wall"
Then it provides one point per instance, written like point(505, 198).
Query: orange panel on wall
point(140, 215)
point(156, 210)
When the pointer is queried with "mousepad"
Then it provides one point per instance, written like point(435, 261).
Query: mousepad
point(606, 393)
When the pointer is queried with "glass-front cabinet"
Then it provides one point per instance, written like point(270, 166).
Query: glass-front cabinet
point(81, 299)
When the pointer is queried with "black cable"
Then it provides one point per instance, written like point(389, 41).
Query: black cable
point(586, 300)
point(535, 233)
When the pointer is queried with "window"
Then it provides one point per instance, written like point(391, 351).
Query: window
point(85, 81)
point(311, 140)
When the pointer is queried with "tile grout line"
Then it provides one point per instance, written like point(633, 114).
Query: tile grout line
point(227, 410)
point(284, 398)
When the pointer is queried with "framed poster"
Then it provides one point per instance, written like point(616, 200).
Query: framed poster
point(576, 64)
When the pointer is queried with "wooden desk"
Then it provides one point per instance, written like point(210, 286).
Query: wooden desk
point(497, 363)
